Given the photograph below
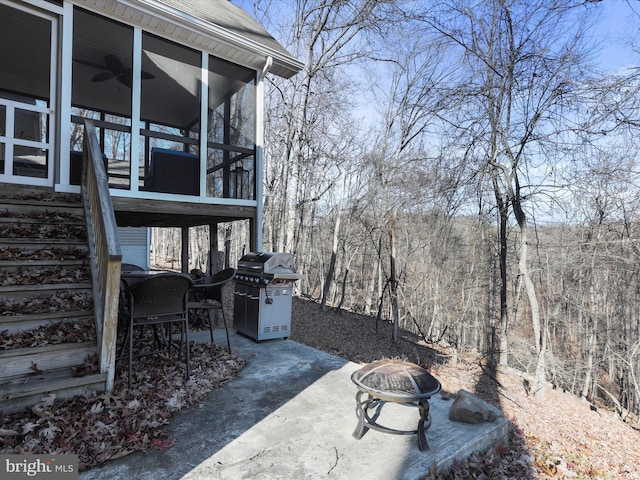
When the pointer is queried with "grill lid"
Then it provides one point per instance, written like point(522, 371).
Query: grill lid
point(267, 262)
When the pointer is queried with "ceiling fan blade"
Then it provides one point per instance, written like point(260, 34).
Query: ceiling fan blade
point(115, 70)
point(126, 78)
point(102, 76)
point(89, 64)
point(114, 64)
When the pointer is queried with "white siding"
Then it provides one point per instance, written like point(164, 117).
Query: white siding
point(134, 242)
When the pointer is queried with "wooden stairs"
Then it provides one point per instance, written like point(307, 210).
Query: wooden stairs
point(48, 338)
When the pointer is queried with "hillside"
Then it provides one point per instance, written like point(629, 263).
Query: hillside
point(560, 437)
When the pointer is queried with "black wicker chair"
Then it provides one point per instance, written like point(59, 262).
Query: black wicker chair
point(130, 267)
point(207, 295)
point(158, 301)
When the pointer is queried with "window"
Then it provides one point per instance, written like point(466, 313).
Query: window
point(231, 131)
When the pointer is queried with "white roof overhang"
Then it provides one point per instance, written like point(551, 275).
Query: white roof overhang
point(214, 26)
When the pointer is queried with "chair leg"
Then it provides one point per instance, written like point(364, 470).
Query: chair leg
point(160, 338)
point(210, 327)
point(186, 346)
point(163, 337)
point(130, 359)
point(124, 346)
point(226, 329)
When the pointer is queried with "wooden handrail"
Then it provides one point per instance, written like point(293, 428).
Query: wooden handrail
point(105, 251)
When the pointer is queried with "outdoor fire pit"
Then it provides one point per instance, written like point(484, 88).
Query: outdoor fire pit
point(398, 382)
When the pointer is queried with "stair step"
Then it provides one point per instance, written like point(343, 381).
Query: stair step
point(63, 300)
point(25, 275)
point(25, 212)
point(33, 243)
point(19, 195)
point(14, 323)
point(7, 220)
point(20, 393)
point(25, 361)
point(43, 230)
point(20, 291)
point(65, 200)
point(47, 262)
point(42, 252)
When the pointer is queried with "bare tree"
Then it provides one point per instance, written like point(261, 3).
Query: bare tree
point(523, 68)
point(310, 113)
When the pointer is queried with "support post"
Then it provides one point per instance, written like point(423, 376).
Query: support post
point(184, 255)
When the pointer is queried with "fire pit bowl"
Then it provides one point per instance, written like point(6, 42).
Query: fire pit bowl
point(393, 381)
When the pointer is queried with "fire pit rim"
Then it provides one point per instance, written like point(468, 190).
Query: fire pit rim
point(398, 367)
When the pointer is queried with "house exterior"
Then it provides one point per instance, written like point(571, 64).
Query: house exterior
point(151, 109)
point(174, 88)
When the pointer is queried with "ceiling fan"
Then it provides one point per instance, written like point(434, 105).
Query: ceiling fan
point(114, 69)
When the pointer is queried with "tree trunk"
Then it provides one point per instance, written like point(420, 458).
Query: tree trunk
point(539, 339)
point(393, 282)
point(588, 375)
point(212, 261)
point(344, 288)
point(504, 310)
point(375, 281)
point(328, 281)
point(332, 263)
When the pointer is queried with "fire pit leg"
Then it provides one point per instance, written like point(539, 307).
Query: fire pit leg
point(423, 425)
point(360, 428)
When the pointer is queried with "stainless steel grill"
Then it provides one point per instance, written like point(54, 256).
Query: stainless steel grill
point(262, 295)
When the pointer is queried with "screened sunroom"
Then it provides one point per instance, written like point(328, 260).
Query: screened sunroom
point(173, 87)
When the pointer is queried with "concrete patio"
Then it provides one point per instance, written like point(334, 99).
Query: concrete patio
point(290, 414)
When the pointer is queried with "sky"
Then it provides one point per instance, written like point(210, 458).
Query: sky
point(620, 20)
point(617, 24)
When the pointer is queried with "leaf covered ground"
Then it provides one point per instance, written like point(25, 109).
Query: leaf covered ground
point(100, 427)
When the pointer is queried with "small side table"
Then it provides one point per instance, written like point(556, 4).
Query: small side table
point(393, 381)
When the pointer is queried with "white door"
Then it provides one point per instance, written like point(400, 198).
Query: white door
point(28, 46)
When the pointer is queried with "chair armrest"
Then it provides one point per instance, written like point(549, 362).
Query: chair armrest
point(206, 285)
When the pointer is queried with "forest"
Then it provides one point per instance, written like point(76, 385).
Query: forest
point(465, 170)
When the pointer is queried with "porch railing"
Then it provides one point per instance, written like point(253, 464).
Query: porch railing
point(104, 246)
